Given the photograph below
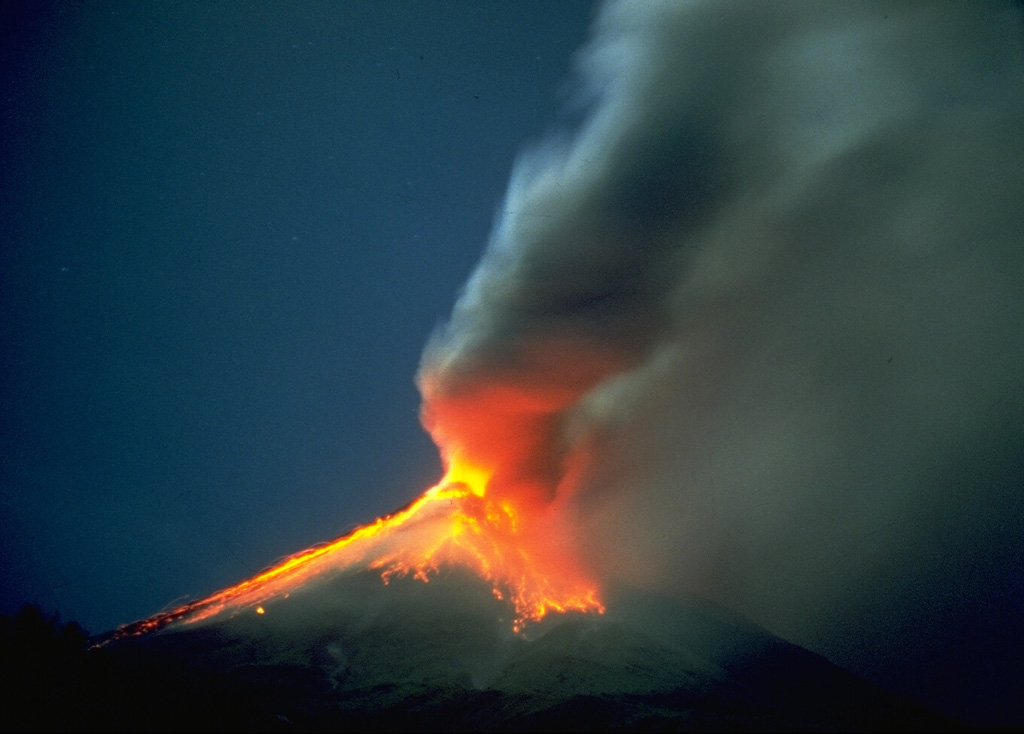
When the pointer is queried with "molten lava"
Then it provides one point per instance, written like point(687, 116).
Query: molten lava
point(454, 523)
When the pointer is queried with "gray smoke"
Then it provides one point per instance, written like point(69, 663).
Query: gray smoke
point(756, 330)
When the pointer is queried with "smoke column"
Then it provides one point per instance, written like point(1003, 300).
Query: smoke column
point(754, 329)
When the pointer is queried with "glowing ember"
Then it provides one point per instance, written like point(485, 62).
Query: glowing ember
point(452, 524)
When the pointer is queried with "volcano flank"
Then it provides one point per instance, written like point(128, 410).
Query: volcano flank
point(440, 656)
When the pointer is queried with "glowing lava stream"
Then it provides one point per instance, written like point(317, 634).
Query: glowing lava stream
point(452, 523)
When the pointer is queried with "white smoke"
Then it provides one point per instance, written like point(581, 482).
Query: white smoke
point(758, 326)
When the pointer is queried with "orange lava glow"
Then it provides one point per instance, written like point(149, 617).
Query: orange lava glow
point(453, 523)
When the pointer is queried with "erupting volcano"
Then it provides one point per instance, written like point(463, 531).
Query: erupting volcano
point(731, 409)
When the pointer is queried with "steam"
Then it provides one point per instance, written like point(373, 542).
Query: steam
point(755, 329)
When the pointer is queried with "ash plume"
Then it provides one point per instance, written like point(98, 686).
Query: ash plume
point(753, 330)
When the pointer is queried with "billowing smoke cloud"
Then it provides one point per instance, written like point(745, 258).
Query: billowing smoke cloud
point(757, 327)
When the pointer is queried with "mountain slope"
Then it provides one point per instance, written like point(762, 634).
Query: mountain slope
point(355, 654)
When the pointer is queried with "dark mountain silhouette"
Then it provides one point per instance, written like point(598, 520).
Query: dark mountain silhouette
point(354, 654)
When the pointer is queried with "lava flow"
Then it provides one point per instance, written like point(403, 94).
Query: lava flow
point(453, 523)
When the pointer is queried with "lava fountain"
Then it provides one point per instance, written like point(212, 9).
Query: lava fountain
point(454, 523)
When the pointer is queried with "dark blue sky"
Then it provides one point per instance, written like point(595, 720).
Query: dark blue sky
point(228, 230)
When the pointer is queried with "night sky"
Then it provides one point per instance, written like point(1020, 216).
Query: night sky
point(228, 230)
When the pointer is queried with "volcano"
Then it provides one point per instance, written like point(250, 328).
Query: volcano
point(456, 614)
point(356, 654)
point(734, 392)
